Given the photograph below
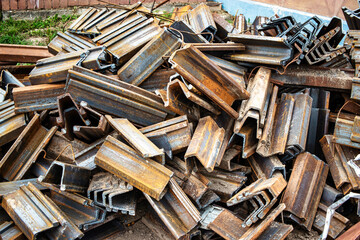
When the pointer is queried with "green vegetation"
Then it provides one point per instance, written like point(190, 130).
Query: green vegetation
point(33, 32)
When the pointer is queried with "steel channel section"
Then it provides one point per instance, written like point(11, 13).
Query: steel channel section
point(108, 95)
point(276, 231)
point(55, 69)
point(78, 209)
point(67, 177)
point(37, 97)
point(125, 45)
point(342, 174)
point(355, 89)
point(66, 39)
point(261, 49)
point(265, 167)
point(344, 132)
point(22, 54)
point(304, 189)
point(225, 184)
point(277, 126)
point(201, 20)
point(205, 144)
point(125, 163)
point(195, 67)
point(149, 58)
point(37, 216)
point(338, 223)
point(177, 130)
point(11, 124)
point(176, 210)
point(351, 233)
point(25, 150)
point(181, 100)
point(9, 231)
point(259, 89)
point(136, 139)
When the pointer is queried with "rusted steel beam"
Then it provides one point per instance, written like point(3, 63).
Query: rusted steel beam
point(9, 231)
point(22, 53)
point(343, 175)
point(37, 97)
point(337, 225)
point(352, 233)
point(299, 126)
point(25, 150)
point(277, 126)
point(99, 125)
point(67, 177)
point(120, 99)
point(255, 108)
point(8, 187)
point(276, 231)
point(178, 132)
point(303, 192)
point(223, 27)
point(355, 89)
point(200, 19)
point(228, 163)
point(55, 69)
point(261, 49)
point(124, 43)
point(249, 141)
point(205, 144)
point(67, 42)
point(213, 47)
point(195, 186)
point(176, 210)
point(11, 124)
point(266, 167)
point(195, 67)
point(184, 101)
point(80, 210)
point(147, 175)
point(149, 58)
point(347, 132)
point(34, 214)
point(224, 184)
point(111, 192)
point(136, 139)
point(157, 80)
point(333, 79)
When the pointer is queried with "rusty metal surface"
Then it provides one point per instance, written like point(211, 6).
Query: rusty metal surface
point(149, 58)
point(303, 192)
point(136, 139)
point(55, 69)
point(182, 100)
point(261, 49)
point(277, 126)
point(351, 233)
point(205, 144)
point(194, 66)
point(67, 177)
point(338, 222)
point(115, 97)
point(66, 42)
point(9, 231)
point(178, 132)
point(346, 132)
point(22, 54)
point(147, 175)
point(8, 187)
point(11, 124)
point(37, 97)
point(255, 108)
point(176, 210)
point(110, 192)
point(355, 91)
point(276, 231)
point(343, 175)
point(78, 209)
point(157, 80)
point(266, 167)
point(25, 150)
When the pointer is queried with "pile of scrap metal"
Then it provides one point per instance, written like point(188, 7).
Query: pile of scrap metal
point(192, 124)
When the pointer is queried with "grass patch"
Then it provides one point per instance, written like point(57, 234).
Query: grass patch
point(21, 31)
